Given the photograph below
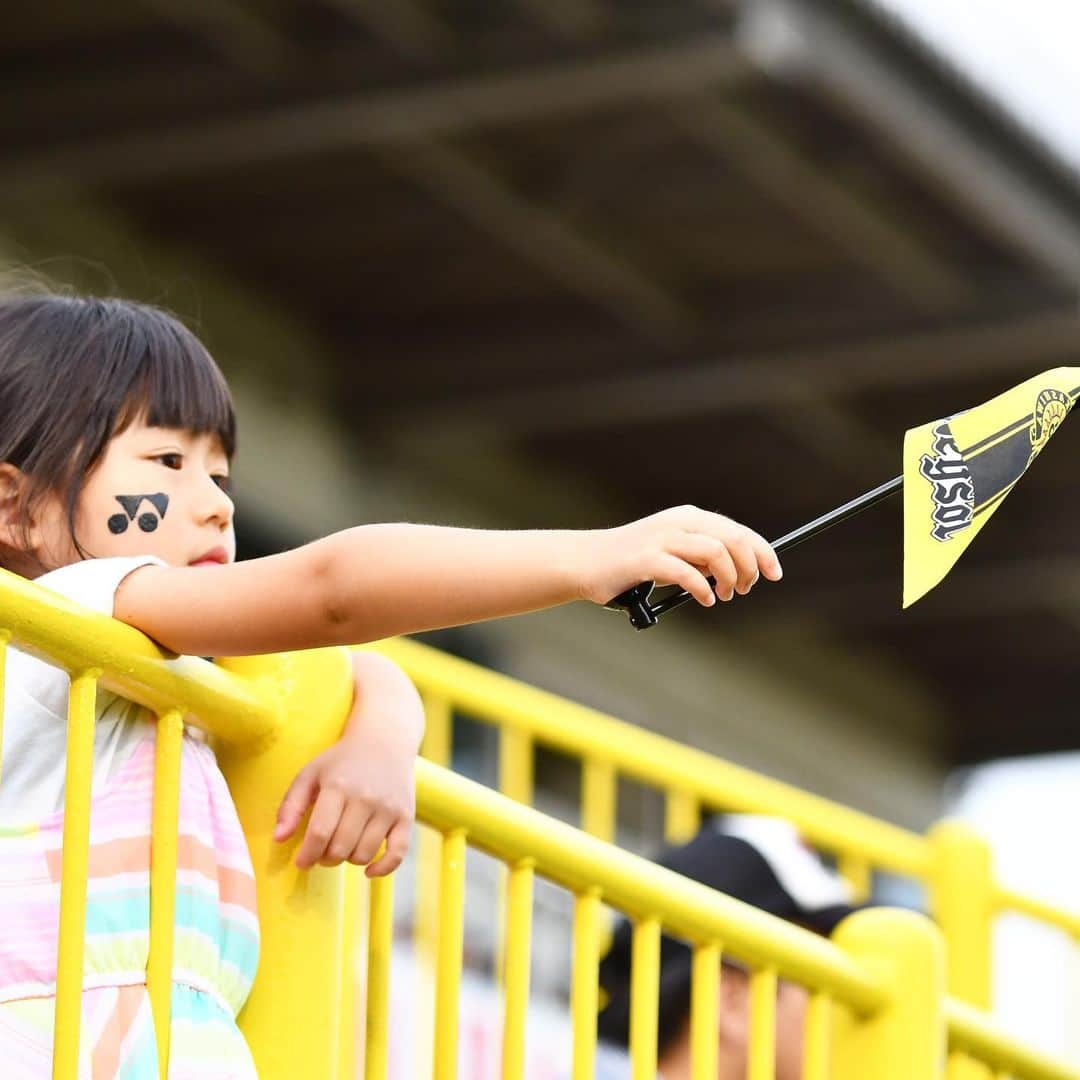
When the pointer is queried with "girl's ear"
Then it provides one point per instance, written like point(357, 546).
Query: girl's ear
point(13, 524)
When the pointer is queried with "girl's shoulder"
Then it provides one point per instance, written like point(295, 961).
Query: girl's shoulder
point(93, 582)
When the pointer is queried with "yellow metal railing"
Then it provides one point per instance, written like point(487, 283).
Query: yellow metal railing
point(269, 716)
point(878, 1008)
point(952, 861)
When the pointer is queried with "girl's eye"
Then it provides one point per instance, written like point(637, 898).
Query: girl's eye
point(170, 461)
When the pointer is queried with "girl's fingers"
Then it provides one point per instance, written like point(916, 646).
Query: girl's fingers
point(370, 839)
point(672, 570)
point(744, 560)
point(355, 819)
point(722, 567)
point(767, 559)
point(397, 845)
point(297, 799)
point(321, 827)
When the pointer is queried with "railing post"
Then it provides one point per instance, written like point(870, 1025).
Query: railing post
point(905, 1038)
point(962, 904)
point(292, 1020)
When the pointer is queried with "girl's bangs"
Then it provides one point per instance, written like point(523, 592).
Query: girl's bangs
point(178, 385)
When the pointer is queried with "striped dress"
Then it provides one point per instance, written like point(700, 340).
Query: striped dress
point(216, 944)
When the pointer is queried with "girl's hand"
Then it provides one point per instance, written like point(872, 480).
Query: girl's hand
point(362, 787)
point(680, 546)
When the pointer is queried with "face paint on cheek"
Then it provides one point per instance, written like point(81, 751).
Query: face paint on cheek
point(148, 522)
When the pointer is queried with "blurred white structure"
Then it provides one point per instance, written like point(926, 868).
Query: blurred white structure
point(1028, 810)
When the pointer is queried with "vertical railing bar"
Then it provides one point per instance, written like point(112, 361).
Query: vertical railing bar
point(682, 816)
point(75, 861)
point(5, 637)
point(518, 951)
point(352, 918)
point(598, 793)
point(584, 983)
point(816, 1037)
point(379, 951)
point(859, 875)
point(163, 853)
point(516, 773)
point(644, 998)
point(704, 1011)
point(448, 963)
point(762, 1024)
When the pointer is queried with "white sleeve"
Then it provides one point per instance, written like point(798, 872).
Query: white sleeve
point(93, 582)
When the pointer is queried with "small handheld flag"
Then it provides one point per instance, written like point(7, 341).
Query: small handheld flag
point(958, 470)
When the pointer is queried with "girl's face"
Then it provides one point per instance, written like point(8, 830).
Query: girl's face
point(155, 491)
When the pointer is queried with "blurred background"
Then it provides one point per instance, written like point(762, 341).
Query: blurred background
point(531, 263)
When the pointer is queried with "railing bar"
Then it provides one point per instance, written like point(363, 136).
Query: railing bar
point(353, 916)
point(75, 861)
point(762, 1024)
point(704, 1011)
point(516, 771)
point(437, 748)
point(598, 794)
point(518, 951)
point(858, 873)
point(163, 855)
point(448, 963)
point(377, 1008)
point(5, 637)
point(438, 730)
point(584, 983)
point(644, 998)
point(816, 1037)
point(682, 816)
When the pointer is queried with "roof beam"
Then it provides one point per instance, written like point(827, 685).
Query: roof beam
point(999, 189)
point(541, 237)
point(754, 382)
point(824, 202)
point(377, 119)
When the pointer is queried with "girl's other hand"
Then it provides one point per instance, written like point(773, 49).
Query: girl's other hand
point(681, 546)
point(362, 787)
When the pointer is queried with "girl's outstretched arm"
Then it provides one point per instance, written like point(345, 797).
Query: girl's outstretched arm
point(375, 581)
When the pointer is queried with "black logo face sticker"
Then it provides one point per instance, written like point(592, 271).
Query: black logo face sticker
point(1051, 407)
point(148, 521)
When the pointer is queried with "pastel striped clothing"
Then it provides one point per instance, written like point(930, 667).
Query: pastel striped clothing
point(216, 937)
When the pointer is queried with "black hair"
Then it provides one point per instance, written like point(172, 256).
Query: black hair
point(75, 371)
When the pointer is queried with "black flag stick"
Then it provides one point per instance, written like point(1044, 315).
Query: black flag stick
point(643, 613)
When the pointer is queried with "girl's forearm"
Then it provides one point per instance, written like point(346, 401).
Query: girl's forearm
point(384, 695)
point(383, 580)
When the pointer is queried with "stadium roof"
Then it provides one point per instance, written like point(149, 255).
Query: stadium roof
point(711, 252)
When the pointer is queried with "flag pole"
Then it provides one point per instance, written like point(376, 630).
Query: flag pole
point(644, 613)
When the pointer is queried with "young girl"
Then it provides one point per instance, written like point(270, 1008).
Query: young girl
point(116, 435)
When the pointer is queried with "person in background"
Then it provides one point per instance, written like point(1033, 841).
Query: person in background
point(762, 862)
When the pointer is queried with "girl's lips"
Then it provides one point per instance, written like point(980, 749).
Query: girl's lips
point(215, 557)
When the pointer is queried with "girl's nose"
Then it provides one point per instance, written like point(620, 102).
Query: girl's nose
point(217, 506)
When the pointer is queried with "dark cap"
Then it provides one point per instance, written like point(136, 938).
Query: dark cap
point(758, 860)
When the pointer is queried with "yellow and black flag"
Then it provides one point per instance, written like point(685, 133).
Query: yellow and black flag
point(957, 471)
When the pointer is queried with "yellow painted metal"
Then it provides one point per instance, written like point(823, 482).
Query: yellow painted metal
point(598, 795)
point(5, 637)
point(762, 1050)
point(962, 902)
point(516, 765)
point(816, 1038)
point(518, 953)
point(62, 633)
point(298, 987)
point(704, 1010)
point(448, 964)
point(78, 778)
point(971, 1032)
point(859, 875)
point(164, 832)
point(1010, 900)
point(354, 898)
point(904, 1040)
point(682, 816)
point(584, 981)
point(652, 759)
point(380, 945)
point(438, 748)
point(581, 863)
point(644, 998)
